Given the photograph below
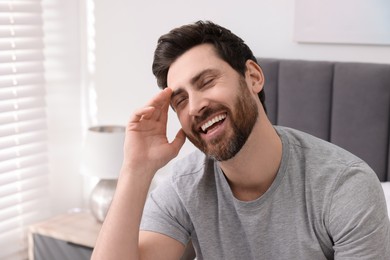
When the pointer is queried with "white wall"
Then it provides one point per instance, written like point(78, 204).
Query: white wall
point(127, 32)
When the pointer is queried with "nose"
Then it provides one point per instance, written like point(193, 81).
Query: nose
point(197, 102)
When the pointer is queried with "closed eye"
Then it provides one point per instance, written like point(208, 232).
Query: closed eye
point(178, 102)
point(209, 82)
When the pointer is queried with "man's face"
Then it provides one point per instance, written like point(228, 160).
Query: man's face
point(213, 102)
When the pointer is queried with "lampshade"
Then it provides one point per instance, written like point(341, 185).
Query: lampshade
point(102, 153)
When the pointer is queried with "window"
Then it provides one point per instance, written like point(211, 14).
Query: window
point(24, 175)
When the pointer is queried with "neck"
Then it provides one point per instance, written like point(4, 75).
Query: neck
point(252, 170)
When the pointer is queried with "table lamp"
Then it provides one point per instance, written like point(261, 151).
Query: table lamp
point(102, 157)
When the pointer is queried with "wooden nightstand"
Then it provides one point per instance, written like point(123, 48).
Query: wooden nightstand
point(65, 237)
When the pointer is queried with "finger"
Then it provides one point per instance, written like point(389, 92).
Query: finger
point(142, 113)
point(178, 141)
point(161, 98)
point(162, 105)
point(161, 114)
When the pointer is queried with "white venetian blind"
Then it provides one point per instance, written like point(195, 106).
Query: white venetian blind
point(24, 176)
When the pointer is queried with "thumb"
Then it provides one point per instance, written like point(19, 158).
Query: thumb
point(179, 140)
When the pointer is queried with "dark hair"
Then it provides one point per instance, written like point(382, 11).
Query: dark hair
point(228, 46)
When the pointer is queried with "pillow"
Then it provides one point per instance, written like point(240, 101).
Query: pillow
point(386, 190)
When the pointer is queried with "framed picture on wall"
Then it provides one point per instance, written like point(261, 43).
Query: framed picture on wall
point(342, 21)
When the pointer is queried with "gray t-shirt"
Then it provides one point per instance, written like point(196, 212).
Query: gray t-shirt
point(324, 203)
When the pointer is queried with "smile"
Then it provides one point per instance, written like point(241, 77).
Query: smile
point(211, 122)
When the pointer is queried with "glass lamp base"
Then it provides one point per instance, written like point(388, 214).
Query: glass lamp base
point(101, 198)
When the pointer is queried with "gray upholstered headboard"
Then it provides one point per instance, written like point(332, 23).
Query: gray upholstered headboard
point(345, 103)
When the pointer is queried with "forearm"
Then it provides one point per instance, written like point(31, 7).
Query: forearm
point(118, 238)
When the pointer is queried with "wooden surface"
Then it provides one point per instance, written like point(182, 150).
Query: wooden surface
point(80, 228)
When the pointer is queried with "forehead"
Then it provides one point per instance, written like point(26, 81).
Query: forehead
point(193, 61)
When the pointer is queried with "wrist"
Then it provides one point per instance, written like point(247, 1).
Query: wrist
point(139, 172)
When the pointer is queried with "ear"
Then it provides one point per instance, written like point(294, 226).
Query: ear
point(254, 76)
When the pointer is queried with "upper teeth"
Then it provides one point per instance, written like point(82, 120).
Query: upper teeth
point(212, 121)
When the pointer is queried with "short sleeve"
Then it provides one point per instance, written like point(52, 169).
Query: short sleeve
point(164, 213)
point(358, 220)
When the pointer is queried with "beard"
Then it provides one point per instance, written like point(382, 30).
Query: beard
point(242, 121)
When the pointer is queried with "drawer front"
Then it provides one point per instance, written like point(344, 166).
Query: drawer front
point(48, 248)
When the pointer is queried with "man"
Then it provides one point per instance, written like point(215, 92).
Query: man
point(253, 190)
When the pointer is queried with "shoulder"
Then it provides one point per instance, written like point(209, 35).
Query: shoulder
point(346, 193)
point(326, 167)
point(316, 151)
point(192, 174)
point(191, 164)
point(188, 177)
point(358, 209)
point(338, 176)
point(180, 179)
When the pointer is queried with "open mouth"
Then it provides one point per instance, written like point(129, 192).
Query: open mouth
point(212, 123)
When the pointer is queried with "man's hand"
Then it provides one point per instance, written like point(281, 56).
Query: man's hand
point(146, 143)
point(146, 150)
